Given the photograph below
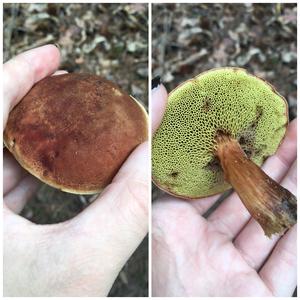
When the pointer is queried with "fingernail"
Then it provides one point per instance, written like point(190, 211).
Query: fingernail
point(155, 82)
point(57, 46)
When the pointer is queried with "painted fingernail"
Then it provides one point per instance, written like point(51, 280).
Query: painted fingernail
point(155, 82)
point(57, 46)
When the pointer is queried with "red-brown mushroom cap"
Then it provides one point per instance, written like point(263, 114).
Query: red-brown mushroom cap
point(74, 131)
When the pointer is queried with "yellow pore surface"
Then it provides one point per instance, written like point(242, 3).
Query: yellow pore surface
point(226, 100)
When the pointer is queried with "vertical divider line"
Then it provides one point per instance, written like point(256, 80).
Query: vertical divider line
point(150, 142)
point(1, 159)
point(298, 127)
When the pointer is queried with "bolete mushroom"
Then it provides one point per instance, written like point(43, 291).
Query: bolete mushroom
point(74, 131)
point(217, 129)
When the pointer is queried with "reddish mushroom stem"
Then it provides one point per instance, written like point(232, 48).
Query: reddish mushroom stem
point(271, 205)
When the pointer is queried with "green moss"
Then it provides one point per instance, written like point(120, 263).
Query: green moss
point(227, 99)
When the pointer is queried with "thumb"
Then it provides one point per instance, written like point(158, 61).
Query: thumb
point(131, 188)
point(159, 97)
point(120, 213)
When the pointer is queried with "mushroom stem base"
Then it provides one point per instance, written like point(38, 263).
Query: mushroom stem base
point(271, 205)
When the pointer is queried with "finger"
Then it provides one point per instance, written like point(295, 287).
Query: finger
point(122, 208)
point(18, 197)
point(159, 97)
point(24, 70)
point(60, 72)
point(203, 205)
point(231, 216)
point(254, 246)
point(12, 172)
point(280, 271)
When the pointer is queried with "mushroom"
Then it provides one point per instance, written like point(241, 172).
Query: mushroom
point(74, 131)
point(217, 129)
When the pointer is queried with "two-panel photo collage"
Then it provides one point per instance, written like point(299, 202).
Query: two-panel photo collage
point(149, 149)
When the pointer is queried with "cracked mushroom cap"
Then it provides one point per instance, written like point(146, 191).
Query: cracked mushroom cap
point(74, 131)
point(225, 100)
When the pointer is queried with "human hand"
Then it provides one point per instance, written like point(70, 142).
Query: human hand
point(227, 253)
point(82, 256)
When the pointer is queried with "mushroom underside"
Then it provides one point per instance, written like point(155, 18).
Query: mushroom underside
point(226, 102)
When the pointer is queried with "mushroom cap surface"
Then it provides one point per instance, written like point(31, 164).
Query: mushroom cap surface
point(74, 131)
point(225, 100)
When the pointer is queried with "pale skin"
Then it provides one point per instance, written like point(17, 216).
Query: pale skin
point(226, 254)
point(82, 256)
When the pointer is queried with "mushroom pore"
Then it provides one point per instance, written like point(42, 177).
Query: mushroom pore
point(217, 129)
point(74, 131)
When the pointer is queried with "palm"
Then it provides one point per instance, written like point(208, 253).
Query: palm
point(198, 252)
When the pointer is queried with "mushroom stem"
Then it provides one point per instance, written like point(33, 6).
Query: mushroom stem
point(271, 205)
